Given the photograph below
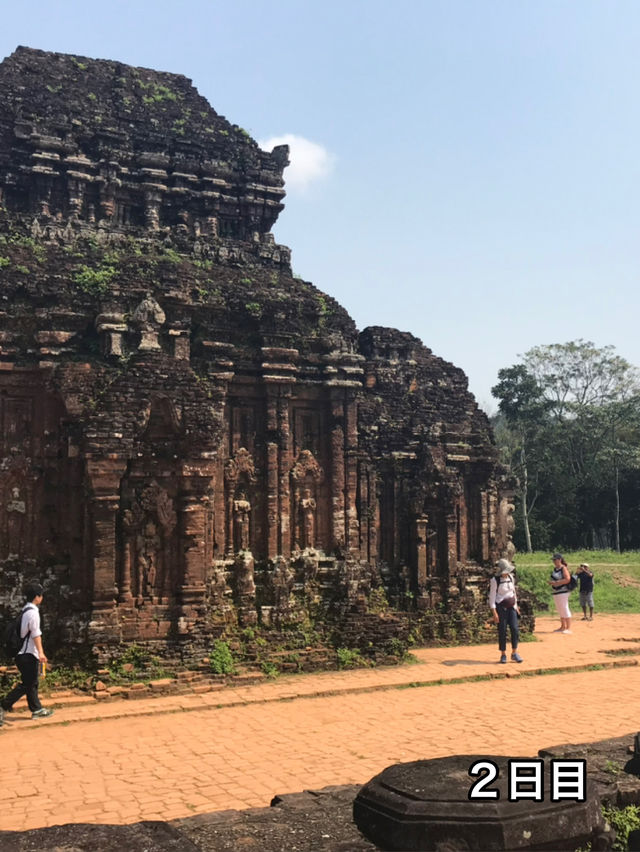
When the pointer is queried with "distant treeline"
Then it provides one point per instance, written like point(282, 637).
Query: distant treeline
point(568, 431)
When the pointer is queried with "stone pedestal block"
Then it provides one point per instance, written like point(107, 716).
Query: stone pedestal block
point(425, 806)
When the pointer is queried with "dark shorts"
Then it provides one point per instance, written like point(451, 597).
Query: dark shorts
point(586, 599)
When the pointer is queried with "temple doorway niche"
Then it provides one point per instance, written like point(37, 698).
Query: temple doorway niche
point(306, 477)
point(150, 569)
point(474, 527)
point(241, 503)
point(242, 517)
point(150, 566)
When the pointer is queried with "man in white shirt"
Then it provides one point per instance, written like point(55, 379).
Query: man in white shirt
point(30, 656)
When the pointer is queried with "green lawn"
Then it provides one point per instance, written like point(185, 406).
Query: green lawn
point(616, 578)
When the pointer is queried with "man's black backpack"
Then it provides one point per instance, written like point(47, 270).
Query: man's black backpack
point(13, 641)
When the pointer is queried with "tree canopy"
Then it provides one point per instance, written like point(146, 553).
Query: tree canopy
point(569, 431)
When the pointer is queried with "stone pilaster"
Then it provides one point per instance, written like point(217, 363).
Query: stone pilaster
point(343, 377)
point(273, 497)
point(452, 545)
point(285, 463)
point(421, 552)
point(279, 371)
point(193, 511)
point(338, 471)
point(351, 473)
point(104, 476)
point(193, 519)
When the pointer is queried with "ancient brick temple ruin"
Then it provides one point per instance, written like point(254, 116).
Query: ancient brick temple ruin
point(192, 436)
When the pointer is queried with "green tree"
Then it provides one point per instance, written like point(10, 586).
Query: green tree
point(522, 404)
point(576, 411)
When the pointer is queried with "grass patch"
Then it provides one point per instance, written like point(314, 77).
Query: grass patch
point(616, 578)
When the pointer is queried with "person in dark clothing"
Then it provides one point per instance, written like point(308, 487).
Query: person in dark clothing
point(30, 657)
point(585, 577)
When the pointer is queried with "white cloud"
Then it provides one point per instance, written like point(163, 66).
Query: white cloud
point(309, 162)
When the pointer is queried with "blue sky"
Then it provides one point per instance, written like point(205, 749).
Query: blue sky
point(472, 172)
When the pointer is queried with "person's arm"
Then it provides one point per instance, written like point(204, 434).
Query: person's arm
point(37, 641)
point(493, 589)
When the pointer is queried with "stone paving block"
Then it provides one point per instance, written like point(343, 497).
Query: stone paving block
point(164, 683)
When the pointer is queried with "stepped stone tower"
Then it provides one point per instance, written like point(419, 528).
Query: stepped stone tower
point(191, 436)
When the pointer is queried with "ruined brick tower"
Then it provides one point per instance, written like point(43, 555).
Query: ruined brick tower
point(190, 435)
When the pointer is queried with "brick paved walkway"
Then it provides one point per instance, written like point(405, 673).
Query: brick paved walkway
point(175, 756)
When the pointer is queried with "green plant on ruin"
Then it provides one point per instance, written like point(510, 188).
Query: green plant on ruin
point(4, 261)
point(132, 245)
point(81, 66)
point(94, 282)
point(179, 126)
point(254, 309)
point(378, 601)
point(221, 659)
point(623, 820)
point(323, 308)
point(67, 677)
point(395, 647)
point(205, 265)
point(136, 663)
point(54, 89)
point(157, 93)
point(349, 658)
point(170, 255)
point(30, 245)
point(269, 669)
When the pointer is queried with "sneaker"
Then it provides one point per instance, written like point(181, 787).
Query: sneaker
point(503, 658)
point(516, 657)
point(584, 618)
point(566, 631)
point(42, 713)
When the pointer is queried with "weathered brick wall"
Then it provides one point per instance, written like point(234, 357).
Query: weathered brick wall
point(193, 439)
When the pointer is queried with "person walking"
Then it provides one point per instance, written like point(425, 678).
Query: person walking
point(559, 582)
point(585, 578)
point(30, 656)
point(503, 601)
